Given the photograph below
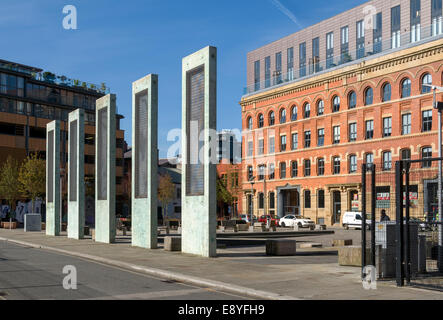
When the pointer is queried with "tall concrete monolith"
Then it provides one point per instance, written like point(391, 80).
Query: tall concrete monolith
point(199, 124)
point(105, 145)
point(144, 162)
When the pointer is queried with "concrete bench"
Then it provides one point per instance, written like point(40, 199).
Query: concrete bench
point(281, 247)
point(258, 227)
point(342, 243)
point(243, 227)
point(320, 227)
point(173, 244)
point(311, 245)
point(351, 256)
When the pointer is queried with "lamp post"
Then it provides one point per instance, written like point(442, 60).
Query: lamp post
point(251, 181)
point(439, 107)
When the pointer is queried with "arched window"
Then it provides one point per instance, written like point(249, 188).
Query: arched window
point(387, 92)
point(320, 107)
point(425, 81)
point(283, 116)
point(271, 118)
point(336, 104)
point(406, 88)
point(369, 96)
point(261, 121)
point(294, 113)
point(352, 100)
point(250, 123)
point(307, 110)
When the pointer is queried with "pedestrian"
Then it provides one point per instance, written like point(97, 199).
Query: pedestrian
point(384, 217)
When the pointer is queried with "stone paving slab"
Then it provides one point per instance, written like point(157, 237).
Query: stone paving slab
point(311, 274)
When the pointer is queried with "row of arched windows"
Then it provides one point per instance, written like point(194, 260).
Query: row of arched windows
point(368, 99)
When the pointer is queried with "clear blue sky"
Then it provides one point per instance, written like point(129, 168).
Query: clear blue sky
point(118, 42)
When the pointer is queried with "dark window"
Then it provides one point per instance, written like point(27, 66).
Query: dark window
point(395, 26)
point(261, 172)
point(336, 104)
point(35, 132)
point(386, 92)
point(271, 144)
point(387, 127)
point(282, 143)
point(406, 123)
point(406, 88)
point(336, 165)
point(307, 199)
point(294, 169)
point(315, 55)
point(249, 123)
point(271, 171)
point(369, 96)
point(426, 81)
point(387, 160)
point(290, 63)
point(283, 116)
point(261, 200)
point(352, 100)
point(336, 137)
point(360, 42)
point(282, 170)
point(377, 34)
point(321, 166)
point(307, 139)
point(294, 141)
point(426, 153)
point(369, 129)
point(261, 146)
point(307, 167)
point(329, 49)
point(320, 108)
point(321, 199)
point(294, 113)
point(271, 118)
point(257, 75)
point(353, 164)
point(307, 110)
point(278, 68)
point(406, 154)
point(267, 72)
point(321, 137)
point(427, 120)
point(302, 59)
point(261, 121)
point(352, 132)
point(369, 158)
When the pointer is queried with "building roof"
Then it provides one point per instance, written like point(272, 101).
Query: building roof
point(19, 65)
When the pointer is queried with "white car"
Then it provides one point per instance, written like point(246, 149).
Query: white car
point(354, 220)
point(292, 220)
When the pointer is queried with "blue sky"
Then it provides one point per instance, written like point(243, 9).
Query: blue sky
point(118, 42)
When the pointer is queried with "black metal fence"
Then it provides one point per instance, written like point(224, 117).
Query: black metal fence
point(419, 243)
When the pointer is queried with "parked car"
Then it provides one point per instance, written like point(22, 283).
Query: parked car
point(354, 220)
point(264, 219)
point(247, 217)
point(291, 220)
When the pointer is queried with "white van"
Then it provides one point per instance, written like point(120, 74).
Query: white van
point(354, 220)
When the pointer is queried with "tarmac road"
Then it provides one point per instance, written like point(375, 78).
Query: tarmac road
point(31, 274)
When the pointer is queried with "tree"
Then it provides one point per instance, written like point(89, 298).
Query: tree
point(165, 192)
point(9, 185)
point(32, 177)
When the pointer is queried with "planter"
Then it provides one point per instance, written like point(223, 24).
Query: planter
point(9, 225)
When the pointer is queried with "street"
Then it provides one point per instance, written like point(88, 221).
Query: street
point(28, 273)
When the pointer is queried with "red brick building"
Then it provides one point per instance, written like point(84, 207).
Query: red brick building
point(307, 132)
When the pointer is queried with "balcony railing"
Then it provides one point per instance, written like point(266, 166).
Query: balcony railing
point(315, 66)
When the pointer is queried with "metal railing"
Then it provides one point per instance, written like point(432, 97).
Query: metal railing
point(314, 67)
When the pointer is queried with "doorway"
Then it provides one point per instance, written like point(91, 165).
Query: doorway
point(336, 207)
